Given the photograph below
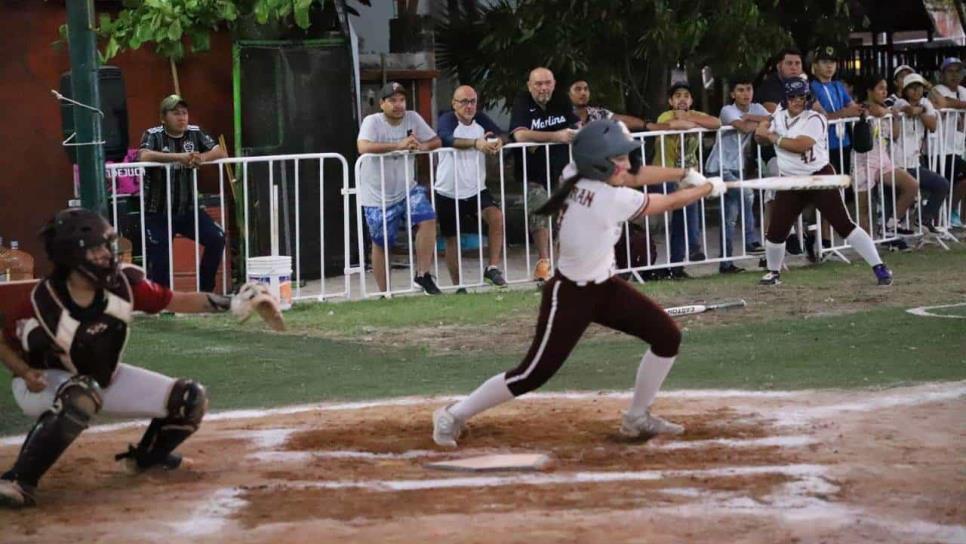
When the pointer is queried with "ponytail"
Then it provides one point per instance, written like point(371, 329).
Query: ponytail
point(556, 200)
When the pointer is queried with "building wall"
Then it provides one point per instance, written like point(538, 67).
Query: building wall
point(37, 177)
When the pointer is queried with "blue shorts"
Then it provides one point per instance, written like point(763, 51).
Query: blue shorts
point(420, 209)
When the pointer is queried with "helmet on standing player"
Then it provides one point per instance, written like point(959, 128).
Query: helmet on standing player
point(795, 87)
point(72, 232)
point(596, 143)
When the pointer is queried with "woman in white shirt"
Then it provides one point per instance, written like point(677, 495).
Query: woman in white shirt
point(598, 195)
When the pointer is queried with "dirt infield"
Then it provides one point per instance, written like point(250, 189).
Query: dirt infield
point(819, 466)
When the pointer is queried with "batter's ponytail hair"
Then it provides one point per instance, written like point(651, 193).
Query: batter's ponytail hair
point(556, 200)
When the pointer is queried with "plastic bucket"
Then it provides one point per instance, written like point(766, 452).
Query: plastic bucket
point(276, 273)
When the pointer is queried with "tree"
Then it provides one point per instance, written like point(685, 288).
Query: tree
point(626, 48)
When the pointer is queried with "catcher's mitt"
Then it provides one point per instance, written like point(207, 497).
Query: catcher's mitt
point(255, 297)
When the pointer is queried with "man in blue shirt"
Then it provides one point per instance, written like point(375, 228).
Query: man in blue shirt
point(834, 101)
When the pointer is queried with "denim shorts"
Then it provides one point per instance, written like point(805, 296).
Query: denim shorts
point(420, 209)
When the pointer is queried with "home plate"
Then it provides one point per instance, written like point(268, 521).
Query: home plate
point(490, 463)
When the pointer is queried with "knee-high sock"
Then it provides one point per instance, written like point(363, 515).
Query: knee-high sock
point(862, 243)
point(650, 376)
point(774, 255)
point(491, 393)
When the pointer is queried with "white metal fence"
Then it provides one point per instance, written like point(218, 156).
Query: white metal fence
point(273, 198)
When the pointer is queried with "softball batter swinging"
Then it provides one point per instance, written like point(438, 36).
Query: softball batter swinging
point(65, 345)
point(593, 202)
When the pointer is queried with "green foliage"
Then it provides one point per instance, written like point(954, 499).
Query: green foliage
point(169, 25)
point(615, 43)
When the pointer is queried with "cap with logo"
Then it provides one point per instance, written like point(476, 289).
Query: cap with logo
point(825, 52)
point(171, 102)
point(949, 62)
point(390, 89)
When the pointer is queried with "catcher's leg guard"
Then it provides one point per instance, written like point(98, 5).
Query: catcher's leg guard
point(186, 408)
point(76, 402)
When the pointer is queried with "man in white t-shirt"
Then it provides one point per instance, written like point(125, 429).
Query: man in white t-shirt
point(909, 135)
point(801, 146)
point(462, 198)
point(387, 190)
point(727, 159)
point(949, 94)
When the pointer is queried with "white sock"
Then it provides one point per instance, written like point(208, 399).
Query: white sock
point(650, 376)
point(492, 392)
point(862, 243)
point(774, 255)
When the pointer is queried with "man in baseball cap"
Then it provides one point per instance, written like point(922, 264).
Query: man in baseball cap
point(950, 94)
point(171, 102)
point(391, 88)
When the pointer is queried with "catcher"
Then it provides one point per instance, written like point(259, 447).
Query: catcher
point(65, 345)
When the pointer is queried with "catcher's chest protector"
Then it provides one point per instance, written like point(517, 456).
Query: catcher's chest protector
point(88, 341)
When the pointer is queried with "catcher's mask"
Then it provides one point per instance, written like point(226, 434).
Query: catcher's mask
point(68, 237)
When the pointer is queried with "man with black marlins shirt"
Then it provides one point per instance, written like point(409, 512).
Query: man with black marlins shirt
point(186, 147)
point(537, 118)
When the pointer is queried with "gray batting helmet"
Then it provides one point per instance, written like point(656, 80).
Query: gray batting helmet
point(596, 143)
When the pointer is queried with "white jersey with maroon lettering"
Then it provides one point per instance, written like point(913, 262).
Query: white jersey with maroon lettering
point(591, 223)
point(808, 123)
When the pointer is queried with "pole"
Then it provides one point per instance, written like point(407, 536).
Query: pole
point(84, 89)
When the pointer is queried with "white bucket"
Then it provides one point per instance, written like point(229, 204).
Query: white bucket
point(276, 273)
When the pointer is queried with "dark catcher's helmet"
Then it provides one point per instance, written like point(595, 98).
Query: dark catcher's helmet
point(69, 235)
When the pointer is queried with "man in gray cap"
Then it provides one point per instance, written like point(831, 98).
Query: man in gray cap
point(387, 188)
point(186, 146)
point(950, 94)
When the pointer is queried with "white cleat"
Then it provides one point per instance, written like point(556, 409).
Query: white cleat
point(13, 495)
point(446, 428)
point(647, 426)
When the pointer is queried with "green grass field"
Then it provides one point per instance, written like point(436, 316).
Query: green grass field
point(858, 335)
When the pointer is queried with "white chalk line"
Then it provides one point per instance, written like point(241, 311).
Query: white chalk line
point(297, 456)
point(954, 389)
point(924, 311)
point(797, 470)
point(212, 516)
point(804, 415)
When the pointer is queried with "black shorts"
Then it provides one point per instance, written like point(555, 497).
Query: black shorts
point(446, 212)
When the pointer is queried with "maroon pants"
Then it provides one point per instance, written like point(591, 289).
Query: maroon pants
point(788, 205)
point(567, 309)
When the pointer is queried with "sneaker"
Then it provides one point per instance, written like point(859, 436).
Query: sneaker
point(677, 273)
point(771, 278)
point(131, 463)
point(730, 269)
point(446, 428)
point(898, 245)
point(755, 248)
point(892, 225)
point(955, 221)
point(647, 426)
point(16, 495)
point(792, 245)
point(697, 256)
point(428, 283)
point(882, 274)
point(493, 275)
point(541, 272)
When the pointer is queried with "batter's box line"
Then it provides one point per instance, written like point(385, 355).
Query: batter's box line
point(925, 311)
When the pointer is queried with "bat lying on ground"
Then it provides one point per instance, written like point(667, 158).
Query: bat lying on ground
point(701, 308)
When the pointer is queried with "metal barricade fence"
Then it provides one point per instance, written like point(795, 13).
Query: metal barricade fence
point(262, 210)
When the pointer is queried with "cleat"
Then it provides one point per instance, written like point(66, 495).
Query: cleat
point(494, 277)
point(16, 495)
point(133, 465)
point(882, 274)
point(771, 278)
point(446, 428)
point(647, 426)
point(427, 283)
point(541, 272)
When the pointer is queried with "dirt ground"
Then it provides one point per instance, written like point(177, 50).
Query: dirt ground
point(815, 466)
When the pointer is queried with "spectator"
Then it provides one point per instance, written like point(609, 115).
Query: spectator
point(185, 147)
point(537, 117)
point(876, 165)
point(909, 135)
point(682, 117)
point(897, 77)
point(834, 101)
point(727, 159)
point(771, 92)
point(383, 200)
point(580, 99)
point(461, 181)
point(950, 94)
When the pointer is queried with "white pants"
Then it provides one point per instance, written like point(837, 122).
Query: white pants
point(134, 392)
